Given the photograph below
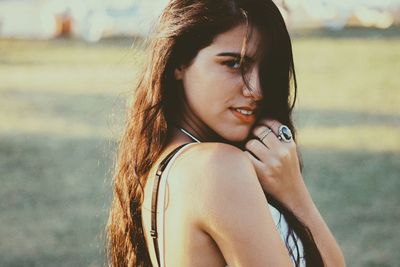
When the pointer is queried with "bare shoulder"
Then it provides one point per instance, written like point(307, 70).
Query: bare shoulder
point(218, 169)
point(213, 157)
point(213, 168)
point(223, 171)
point(220, 190)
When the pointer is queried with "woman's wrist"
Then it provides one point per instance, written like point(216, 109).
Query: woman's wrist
point(304, 208)
point(300, 203)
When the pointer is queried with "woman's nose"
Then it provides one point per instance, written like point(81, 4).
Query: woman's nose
point(251, 86)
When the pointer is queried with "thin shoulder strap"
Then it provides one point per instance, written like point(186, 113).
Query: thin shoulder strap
point(154, 200)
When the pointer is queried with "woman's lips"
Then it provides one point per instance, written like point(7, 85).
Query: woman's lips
point(242, 117)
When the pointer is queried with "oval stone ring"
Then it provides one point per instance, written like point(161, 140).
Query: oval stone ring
point(284, 134)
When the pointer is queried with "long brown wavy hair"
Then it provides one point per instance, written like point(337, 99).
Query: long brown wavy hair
point(184, 28)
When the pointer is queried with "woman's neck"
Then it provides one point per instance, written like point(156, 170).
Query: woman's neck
point(196, 127)
point(180, 136)
point(202, 134)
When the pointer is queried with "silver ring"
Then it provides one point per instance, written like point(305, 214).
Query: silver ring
point(284, 134)
point(266, 133)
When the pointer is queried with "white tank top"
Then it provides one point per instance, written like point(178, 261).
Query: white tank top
point(278, 218)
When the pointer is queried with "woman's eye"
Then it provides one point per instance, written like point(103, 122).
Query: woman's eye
point(233, 64)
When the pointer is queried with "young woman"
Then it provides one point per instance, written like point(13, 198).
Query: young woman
point(207, 171)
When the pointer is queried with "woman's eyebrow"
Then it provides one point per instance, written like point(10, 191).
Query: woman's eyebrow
point(235, 55)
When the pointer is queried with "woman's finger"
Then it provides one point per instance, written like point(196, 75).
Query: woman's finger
point(272, 124)
point(267, 136)
point(259, 166)
point(258, 149)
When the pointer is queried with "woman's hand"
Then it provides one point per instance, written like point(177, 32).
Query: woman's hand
point(278, 171)
point(277, 166)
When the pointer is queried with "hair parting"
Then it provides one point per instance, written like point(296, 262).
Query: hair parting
point(246, 36)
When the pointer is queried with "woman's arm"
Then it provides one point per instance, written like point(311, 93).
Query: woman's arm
point(304, 208)
point(230, 206)
point(278, 170)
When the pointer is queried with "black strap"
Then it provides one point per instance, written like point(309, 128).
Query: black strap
point(156, 185)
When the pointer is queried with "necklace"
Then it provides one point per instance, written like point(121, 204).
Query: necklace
point(188, 134)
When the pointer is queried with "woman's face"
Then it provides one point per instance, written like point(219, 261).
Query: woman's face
point(216, 96)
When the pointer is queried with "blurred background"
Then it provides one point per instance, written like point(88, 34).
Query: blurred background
point(67, 69)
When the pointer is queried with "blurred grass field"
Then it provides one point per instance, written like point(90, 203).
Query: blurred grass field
point(62, 108)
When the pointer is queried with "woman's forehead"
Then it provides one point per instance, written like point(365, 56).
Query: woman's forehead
point(233, 41)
